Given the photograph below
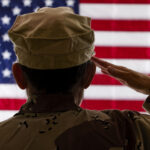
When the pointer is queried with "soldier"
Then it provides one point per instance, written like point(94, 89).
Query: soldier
point(54, 47)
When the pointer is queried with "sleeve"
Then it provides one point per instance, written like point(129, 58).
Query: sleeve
point(146, 104)
point(142, 125)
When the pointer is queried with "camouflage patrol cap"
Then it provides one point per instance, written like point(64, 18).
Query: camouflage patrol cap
point(52, 38)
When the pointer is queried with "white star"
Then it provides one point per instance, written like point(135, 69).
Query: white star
point(35, 9)
point(48, 2)
point(5, 37)
point(6, 54)
point(27, 3)
point(5, 3)
point(5, 20)
point(16, 10)
point(70, 3)
point(6, 73)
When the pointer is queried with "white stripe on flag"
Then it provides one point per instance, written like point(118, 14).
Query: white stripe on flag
point(111, 38)
point(113, 92)
point(5, 114)
point(11, 91)
point(94, 91)
point(116, 11)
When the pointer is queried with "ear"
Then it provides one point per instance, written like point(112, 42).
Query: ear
point(89, 74)
point(19, 76)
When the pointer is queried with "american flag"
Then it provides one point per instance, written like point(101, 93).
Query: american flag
point(121, 36)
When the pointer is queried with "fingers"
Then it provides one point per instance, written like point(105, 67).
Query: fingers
point(100, 63)
point(103, 64)
point(117, 73)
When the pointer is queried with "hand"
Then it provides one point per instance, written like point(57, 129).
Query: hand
point(135, 80)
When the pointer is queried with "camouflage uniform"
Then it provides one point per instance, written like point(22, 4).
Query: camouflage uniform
point(75, 129)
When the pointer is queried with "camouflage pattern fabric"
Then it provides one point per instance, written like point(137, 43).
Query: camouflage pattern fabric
point(75, 130)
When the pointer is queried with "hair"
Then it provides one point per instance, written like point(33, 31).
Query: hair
point(55, 80)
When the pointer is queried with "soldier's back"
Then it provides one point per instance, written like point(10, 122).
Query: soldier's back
point(75, 130)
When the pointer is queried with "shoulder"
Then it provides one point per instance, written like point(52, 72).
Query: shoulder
point(9, 123)
point(114, 115)
point(104, 129)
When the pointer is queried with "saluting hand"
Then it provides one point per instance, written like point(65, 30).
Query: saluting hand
point(135, 80)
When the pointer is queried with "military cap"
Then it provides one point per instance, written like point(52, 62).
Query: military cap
point(52, 38)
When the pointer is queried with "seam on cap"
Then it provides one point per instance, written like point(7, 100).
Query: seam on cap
point(90, 47)
point(72, 36)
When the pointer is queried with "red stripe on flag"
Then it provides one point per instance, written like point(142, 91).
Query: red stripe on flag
point(123, 52)
point(116, 1)
point(121, 25)
point(112, 104)
point(11, 104)
point(101, 79)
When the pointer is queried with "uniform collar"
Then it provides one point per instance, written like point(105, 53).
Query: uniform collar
point(46, 103)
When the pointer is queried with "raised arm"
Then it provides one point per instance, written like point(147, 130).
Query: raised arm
point(135, 80)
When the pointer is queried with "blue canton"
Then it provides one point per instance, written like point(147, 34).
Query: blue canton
point(9, 9)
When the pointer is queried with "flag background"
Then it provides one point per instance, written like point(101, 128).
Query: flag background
point(122, 36)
